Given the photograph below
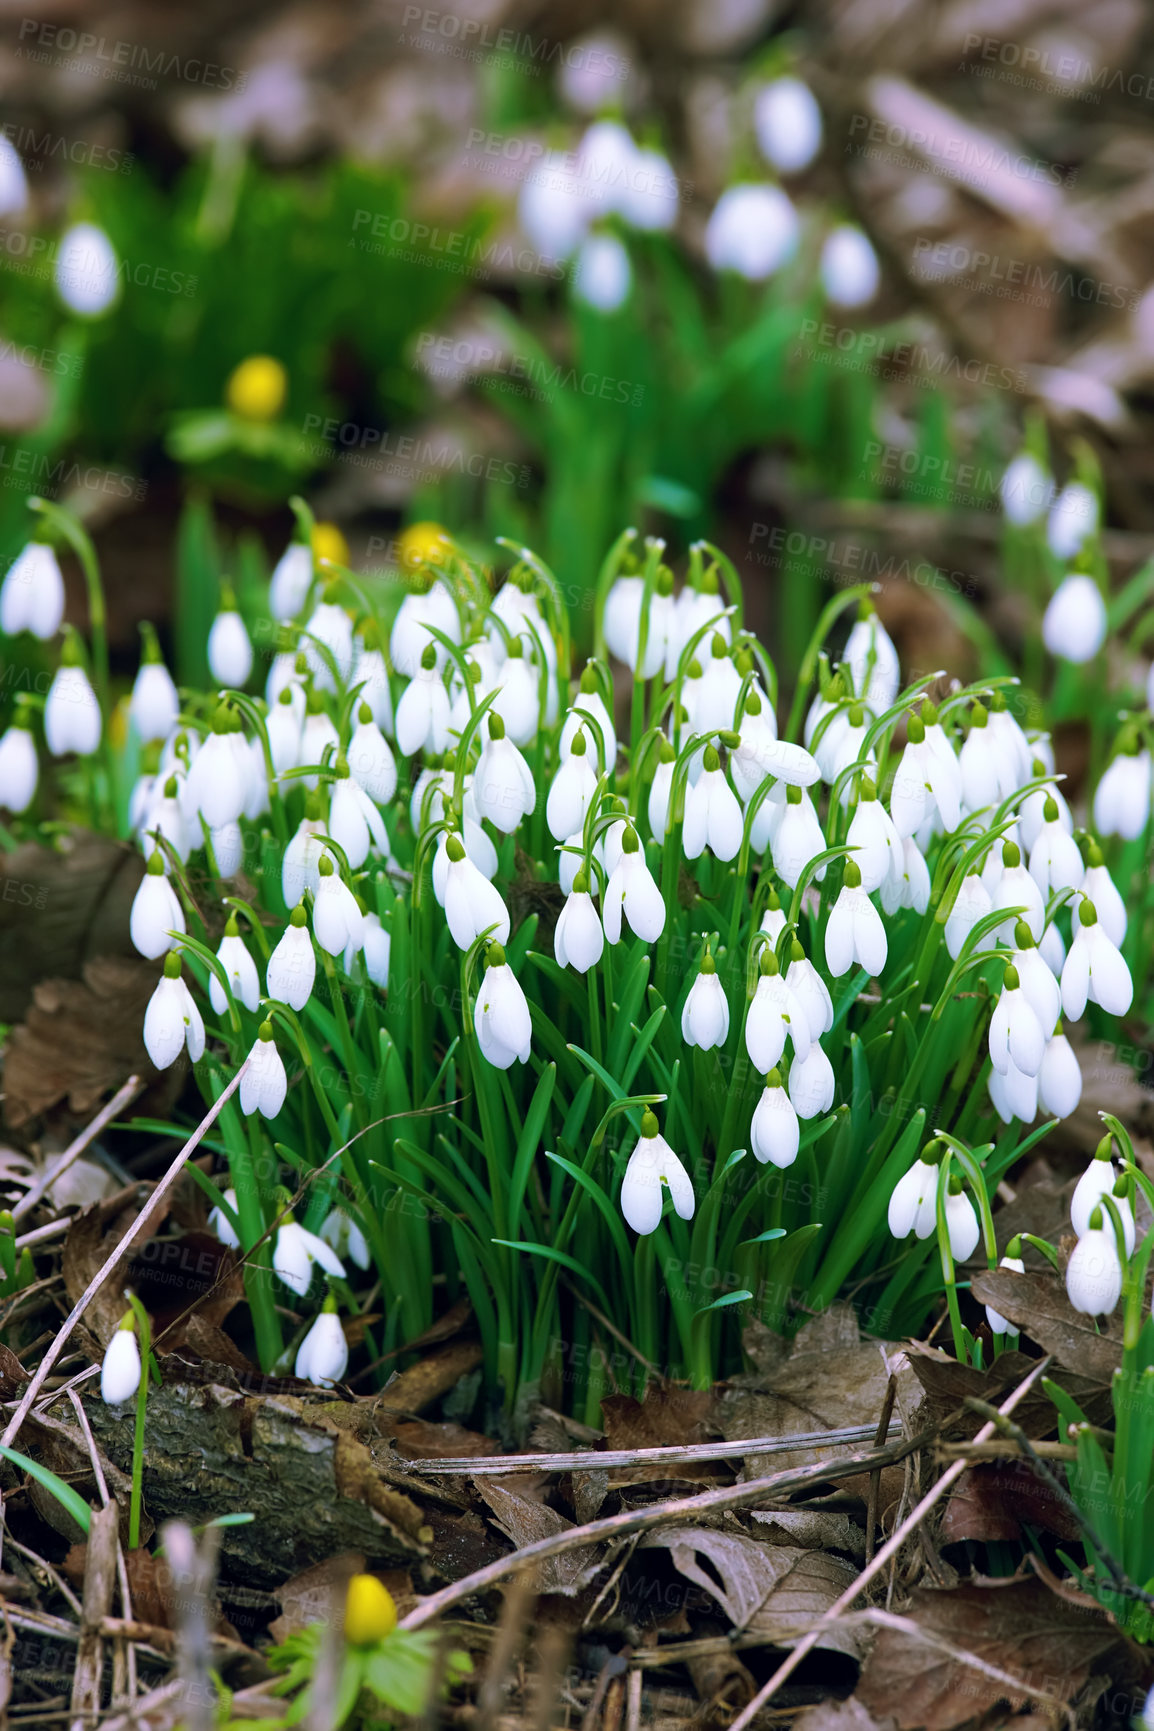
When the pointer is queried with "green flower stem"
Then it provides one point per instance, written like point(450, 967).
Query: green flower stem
point(144, 1332)
point(245, 1166)
point(345, 1033)
point(948, 1272)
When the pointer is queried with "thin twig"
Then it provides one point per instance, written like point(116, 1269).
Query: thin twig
point(883, 1431)
point(121, 1566)
point(594, 1460)
point(77, 1146)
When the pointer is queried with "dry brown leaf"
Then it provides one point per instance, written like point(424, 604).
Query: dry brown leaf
point(307, 1597)
point(1039, 1305)
point(12, 1374)
point(668, 1416)
point(410, 1391)
point(92, 1237)
point(995, 1499)
point(523, 1520)
point(419, 1440)
point(815, 1529)
point(836, 1716)
point(946, 1385)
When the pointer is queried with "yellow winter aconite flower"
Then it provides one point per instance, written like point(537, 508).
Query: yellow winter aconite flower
point(370, 1613)
point(329, 543)
point(256, 389)
point(422, 543)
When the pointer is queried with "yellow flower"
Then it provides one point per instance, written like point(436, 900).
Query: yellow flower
point(256, 389)
point(370, 1613)
point(421, 543)
point(329, 543)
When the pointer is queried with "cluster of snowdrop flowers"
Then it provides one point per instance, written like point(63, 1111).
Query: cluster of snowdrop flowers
point(1074, 624)
point(1102, 1215)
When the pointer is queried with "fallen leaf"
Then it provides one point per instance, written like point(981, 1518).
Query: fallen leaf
point(419, 1440)
point(91, 1239)
point(836, 1716)
point(995, 1499)
point(816, 1529)
point(667, 1417)
point(1039, 1305)
point(12, 1374)
point(411, 1390)
point(946, 1385)
point(307, 1597)
point(524, 1520)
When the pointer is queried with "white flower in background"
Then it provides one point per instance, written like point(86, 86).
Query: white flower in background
point(551, 212)
point(754, 756)
point(300, 868)
point(19, 768)
point(337, 918)
point(229, 649)
point(155, 911)
point(423, 711)
point(854, 932)
point(87, 272)
point(578, 938)
point(1103, 892)
point(72, 719)
point(1097, 1180)
point(988, 776)
point(870, 661)
point(502, 781)
point(32, 593)
point(591, 72)
point(1007, 738)
point(376, 948)
point(1015, 888)
point(371, 674)
point(227, 845)
point(354, 821)
point(1055, 861)
point(1032, 811)
point(775, 1012)
point(571, 790)
point(914, 1201)
point(1095, 970)
point(602, 275)
point(121, 1370)
point(705, 1015)
point(850, 272)
point(1074, 623)
point(1038, 983)
point(874, 838)
point(1073, 519)
point(1012, 1261)
point(264, 1084)
point(1014, 1094)
point(219, 1223)
point(692, 611)
point(1060, 1078)
point(240, 968)
point(13, 181)
point(323, 1355)
point(810, 990)
point(712, 813)
point(1123, 796)
point(328, 643)
point(962, 1223)
point(811, 1082)
point(651, 1165)
point(661, 789)
point(752, 230)
point(715, 704)
point(172, 1020)
point(472, 905)
point(295, 1253)
point(518, 700)
point(1094, 1273)
point(501, 1014)
point(1016, 1035)
point(291, 580)
point(155, 704)
point(410, 634)
point(370, 758)
point(797, 838)
point(787, 121)
point(774, 1132)
point(342, 1234)
point(217, 783)
point(1052, 950)
point(908, 885)
point(590, 715)
point(928, 781)
point(632, 891)
point(971, 904)
point(773, 920)
point(285, 730)
point(1026, 490)
point(622, 623)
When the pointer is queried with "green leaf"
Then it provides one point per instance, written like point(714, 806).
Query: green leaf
point(69, 1500)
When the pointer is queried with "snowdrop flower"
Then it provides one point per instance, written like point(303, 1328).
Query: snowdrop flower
point(337, 918)
point(295, 1253)
point(1094, 1273)
point(229, 650)
point(240, 969)
point(1039, 985)
point(753, 230)
point(1073, 519)
point(220, 1224)
point(370, 758)
point(652, 1164)
point(854, 932)
point(552, 214)
point(757, 750)
point(776, 1010)
point(291, 581)
point(787, 121)
point(774, 1133)
point(632, 891)
point(71, 713)
point(602, 275)
point(578, 939)
point(908, 885)
point(300, 868)
point(961, 1222)
point(154, 705)
point(227, 845)
point(121, 1370)
point(87, 273)
point(693, 610)
point(773, 920)
point(1013, 1261)
point(1016, 1034)
point(292, 966)
point(172, 1019)
point(19, 769)
point(1052, 950)
point(155, 912)
point(971, 904)
point(1060, 1078)
point(376, 948)
point(1102, 891)
point(32, 593)
point(811, 1083)
point(928, 780)
point(319, 739)
point(410, 634)
point(797, 838)
point(1007, 738)
point(13, 181)
point(423, 712)
point(371, 674)
point(712, 813)
point(987, 775)
point(264, 1084)
point(328, 643)
point(1026, 490)
point(714, 707)
point(810, 990)
point(871, 662)
point(518, 700)
point(323, 1355)
point(1123, 796)
point(354, 821)
point(660, 790)
point(503, 782)
point(472, 905)
point(622, 623)
point(1074, 623)
point(589, 713)
point(1055, 862)
point(705, 1016)
point(217, 783)
point(914, 1200)
point(1097, 1180)
point(873, 835)
point(1095, 969)
point(1032, 811)
point(284, 725)
point(1014, 1094)
point(501, 1013)
point(850, 272)
point(342, 1234)
point(1015, 888)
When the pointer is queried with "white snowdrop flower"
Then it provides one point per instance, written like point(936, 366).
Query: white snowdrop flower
point(285, 729)
point(712, 813)
point(1055, 861)
point(337, 918)
point(518, 700)
point(296, 1252)
point(651, 1165)
point(370, 758)
point(287, 670)
point(1017, 889)
point(217, 783)
point(787, 121)
point(854, 931)
point(1060, 1078)
point(371, 674)
point(19, 768)
point(410, 634)
point(987, 775)
point(870, 661)
point(578, 938)
point(87, 272)
point(264, 1084)
point(172, 1020)
point(154, 705)
point(240, 968)
point(632, 891)
point(606, 161)
point(300, 868)
point(1052, 950)
point(1026, 490)
point(501, 1014)
point(354, 821)
point(1073, 519)
point(376, 948)
point(775, 1012)
point(1095, 970)
point(589, 715)
point(811, 1083)
point(502, 781)
point(121, 1369)
point(962, 1223)
point(1016, 1035)
point(155, 912)
point(757, 749)
point(825, 728)
point(1032, 811)
point(229, 649)
point(908, 885)
point(1074, 623)
point(328, 643)
point(715, 704)
point(997, 1322)
point(13, 181)
point(484, 676)
point(622, 623)
point(914, 1200)
point(1094, 1273)
point(1039, 985)
point(928, 780)
point(773, 920)
point(810, 990)
point(602, 275)
point(292, 967)
point(72, 719)
point(551, 211)
point(472, 904)
point(705, 1015)
point(650, 199)
point(227, 845)
point(164, 820)
point(797, 838)
point(660, 790)
point(342, 1234)
point(1123, 796)
point(753, 230)
point(693, 610)
point(423, 711)
point(774, 1131)
point(291, 581)
point(1097, 1180)
point(32, 593)
point(323, 1355)
point(1014, 1094)
point(873, 835)
point(477, 844)
point(790, 764)
point(850, 272)
point(1102, 891)
point(221, 1226)
point(1010, 742)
